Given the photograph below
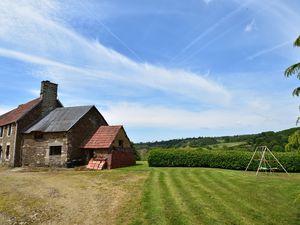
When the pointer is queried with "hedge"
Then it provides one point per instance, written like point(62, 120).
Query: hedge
point(236, 160)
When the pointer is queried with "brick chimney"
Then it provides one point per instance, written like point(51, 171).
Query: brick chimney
point(48, 96)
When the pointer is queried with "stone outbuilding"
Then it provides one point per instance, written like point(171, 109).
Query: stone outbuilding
point(109, 147)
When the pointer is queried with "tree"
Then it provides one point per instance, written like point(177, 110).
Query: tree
point(294, 142)
point(294, 69)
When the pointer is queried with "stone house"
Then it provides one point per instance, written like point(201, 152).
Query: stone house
point(44, 133)
point(57, 137)
point(15, 121)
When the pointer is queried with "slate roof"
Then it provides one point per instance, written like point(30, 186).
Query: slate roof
point(17, 113)
point(60, 119)
point(103, 137)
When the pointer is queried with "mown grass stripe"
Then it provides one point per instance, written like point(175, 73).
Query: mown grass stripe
point(180, 201)
point(226, 212)
point(270, 192)
point(172, 212)
point(233, 199)
point(152, 205)
point(214, 207)
point(193, 203)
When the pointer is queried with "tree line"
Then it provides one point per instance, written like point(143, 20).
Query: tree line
point(277, 141)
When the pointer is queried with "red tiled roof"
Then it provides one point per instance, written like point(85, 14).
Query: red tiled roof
point(15, 114)
point(103, 137)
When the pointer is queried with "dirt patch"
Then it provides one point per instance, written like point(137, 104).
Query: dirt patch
point(67, 197)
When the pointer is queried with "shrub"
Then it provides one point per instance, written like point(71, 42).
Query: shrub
point(236, 160)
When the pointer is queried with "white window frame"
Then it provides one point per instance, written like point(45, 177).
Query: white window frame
point(9, 130)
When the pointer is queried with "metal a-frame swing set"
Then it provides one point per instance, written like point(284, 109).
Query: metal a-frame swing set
point(264, 163)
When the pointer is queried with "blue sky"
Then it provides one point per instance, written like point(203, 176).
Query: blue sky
point(165, 69)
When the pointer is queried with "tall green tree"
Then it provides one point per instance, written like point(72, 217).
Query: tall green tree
point(294, 70)
point(294, 142)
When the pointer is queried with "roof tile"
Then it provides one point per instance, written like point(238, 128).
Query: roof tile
point(103, 137)
point(17, 113)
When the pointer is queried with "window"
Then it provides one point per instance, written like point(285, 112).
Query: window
point(121, 142)
point(55, 150)
point(1, 131)
point(0, 152)
point(7, 152)
point(9, 130)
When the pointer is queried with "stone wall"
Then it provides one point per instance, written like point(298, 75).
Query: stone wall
point(27, 120)
point(8, 140)
point(83, 129)
point(36, 151)
point(121, 136)
point(15, 139)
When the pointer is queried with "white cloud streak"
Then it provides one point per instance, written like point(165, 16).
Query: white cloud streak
point(254, 115)
point(31, 32)
point(250, 27)
point(208, 31)
point(28, 32)
point(269, 50)
point(207, 1)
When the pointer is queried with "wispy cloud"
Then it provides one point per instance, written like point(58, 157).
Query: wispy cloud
point(130, 91)
point(210, 42)
point(253, 115)
point(209, 30)
point(269, 50)
point(250, 27)
point(207, 1)
point(48, 42)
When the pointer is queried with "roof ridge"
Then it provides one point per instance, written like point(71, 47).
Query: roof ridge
point(60, 119)
point(79, 106)
point(17, 113)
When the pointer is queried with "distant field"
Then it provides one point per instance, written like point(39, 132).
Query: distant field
point(143, 195)
point(229, 144)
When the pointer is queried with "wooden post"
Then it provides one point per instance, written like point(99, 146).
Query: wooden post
point(264, 151)
point(278, 161)
point(251, 159)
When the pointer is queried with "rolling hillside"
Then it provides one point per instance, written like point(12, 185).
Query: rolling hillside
point(274, 140)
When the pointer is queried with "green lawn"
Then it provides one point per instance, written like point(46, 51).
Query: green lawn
point(140, 195)
point(214, 196)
